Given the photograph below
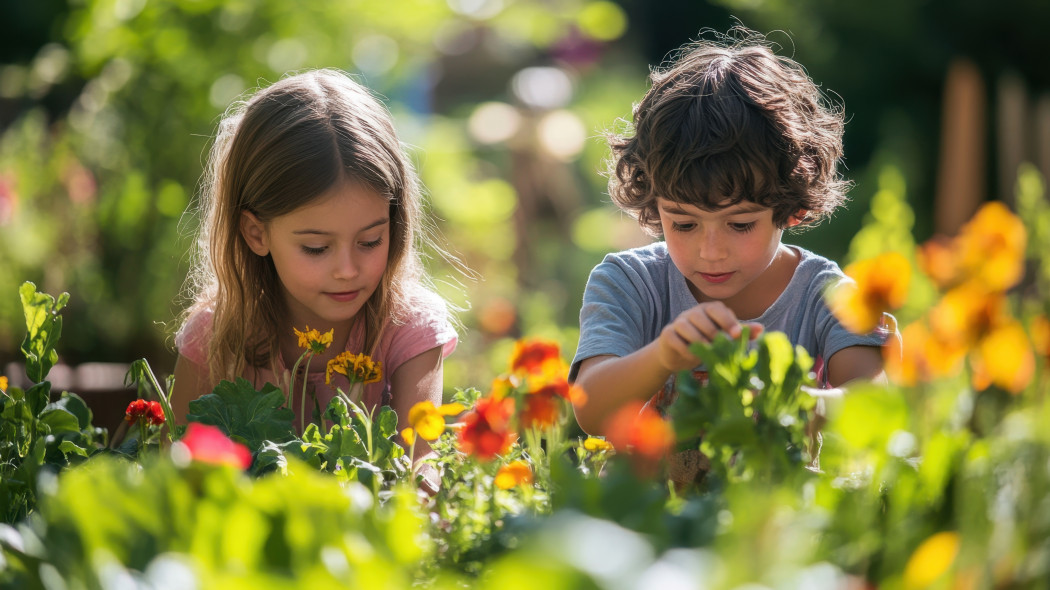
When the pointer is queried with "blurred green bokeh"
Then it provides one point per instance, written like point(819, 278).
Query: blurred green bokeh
point(107, 107)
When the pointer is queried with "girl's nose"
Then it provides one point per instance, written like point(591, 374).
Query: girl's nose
point(346, 266)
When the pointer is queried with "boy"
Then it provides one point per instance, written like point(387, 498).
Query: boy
point(732, 145)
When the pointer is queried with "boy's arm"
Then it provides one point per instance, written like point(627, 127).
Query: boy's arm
point(855, 362)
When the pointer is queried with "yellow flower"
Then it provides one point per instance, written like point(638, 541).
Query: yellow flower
point(409, 436)
point(429, 421)
point(3, 383)
point(879, 285)
point(358, 368)
point(992, 246)
point(931, 560)
point(1004, 357)
point(924, 356)
point(513, 474)
point(596, 445)
point(313, 340)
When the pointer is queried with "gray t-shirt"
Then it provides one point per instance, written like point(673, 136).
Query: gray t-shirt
point(633, 294)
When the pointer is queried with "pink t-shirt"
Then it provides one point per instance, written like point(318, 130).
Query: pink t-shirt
point(425, 326)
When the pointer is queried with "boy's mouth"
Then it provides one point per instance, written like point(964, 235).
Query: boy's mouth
point(720, 277)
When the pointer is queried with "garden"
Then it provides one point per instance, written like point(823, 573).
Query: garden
point(937, 478)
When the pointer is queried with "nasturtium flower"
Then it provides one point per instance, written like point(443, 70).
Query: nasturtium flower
point(358, 368)
point(313, 340)
point(147, 411)
point(967, 313)
point(640, 431)
point(513, 474)
point(3, 383)
point(992, 245)
point(1004, 358)
point(597, 445)
point(486, 430)
point(408, 435)
point(531, 355)
point(878, 285)
point(208, 444)
point(931, 560)
point(924, 356)
point(429, 421)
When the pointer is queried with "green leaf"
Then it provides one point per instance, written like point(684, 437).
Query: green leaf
point(75, 405)
point(387, 422)
point(241, 411)
point(60, 421)
point(68, 446)
point(38, 396)
point(43, 329)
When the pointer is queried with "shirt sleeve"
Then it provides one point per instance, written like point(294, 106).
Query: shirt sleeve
point(193, 337)
point(612, 318)
point(425, 326)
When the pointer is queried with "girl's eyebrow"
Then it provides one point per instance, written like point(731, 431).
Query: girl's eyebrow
point(317, 232)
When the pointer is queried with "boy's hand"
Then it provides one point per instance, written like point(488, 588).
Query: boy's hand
point(697, 324)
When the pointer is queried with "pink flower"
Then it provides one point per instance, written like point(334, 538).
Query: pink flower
point(208, 444)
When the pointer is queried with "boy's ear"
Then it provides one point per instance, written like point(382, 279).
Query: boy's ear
point(254, 233)
point(797, 218)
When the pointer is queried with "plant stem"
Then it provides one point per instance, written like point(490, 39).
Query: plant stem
point(302, 414)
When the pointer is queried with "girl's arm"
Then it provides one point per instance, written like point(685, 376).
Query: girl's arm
point(420, 378)
point(191, 382)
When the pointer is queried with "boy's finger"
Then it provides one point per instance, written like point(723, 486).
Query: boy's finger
point(756, 329)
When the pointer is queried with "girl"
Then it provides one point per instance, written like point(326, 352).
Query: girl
point(310, 216)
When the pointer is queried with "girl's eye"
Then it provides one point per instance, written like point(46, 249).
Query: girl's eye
point(373, 244)
point(682, 226)
point(743, 227)
point(314, 251)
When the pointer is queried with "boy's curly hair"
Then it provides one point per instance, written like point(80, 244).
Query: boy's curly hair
point(730, 121)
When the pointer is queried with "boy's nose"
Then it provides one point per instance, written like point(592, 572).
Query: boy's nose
point(712, 246)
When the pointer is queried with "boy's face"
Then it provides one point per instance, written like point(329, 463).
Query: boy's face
point(724, 254)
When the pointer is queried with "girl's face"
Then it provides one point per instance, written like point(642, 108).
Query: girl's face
point(330, 255)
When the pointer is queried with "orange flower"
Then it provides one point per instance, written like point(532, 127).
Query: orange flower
point(513, 474)
point(1041, 336)
point(879, 285)
point(358, 368)
point(967, 313)
point(531, 355)
point(1004, 358)
point(992, 246)
point(938, 260)
point(486, 429)
point(642, 432)
point(313, 340)
point(542, 410)
point(923, 356)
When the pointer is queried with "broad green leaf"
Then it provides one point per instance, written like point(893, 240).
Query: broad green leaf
point(242, 412)
point(75, 405)
point(68, 446)
point(60, 421)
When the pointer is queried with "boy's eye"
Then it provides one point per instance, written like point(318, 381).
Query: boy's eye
point(314, 251)
point(676, 226)
point(743, 227)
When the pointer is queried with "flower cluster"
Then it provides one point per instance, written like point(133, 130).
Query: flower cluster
point(313, 340)
point(358, 368)
point(145, 411)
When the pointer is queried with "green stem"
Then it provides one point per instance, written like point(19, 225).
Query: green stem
point(302, 413)
point(142, 436)
point(165, 401)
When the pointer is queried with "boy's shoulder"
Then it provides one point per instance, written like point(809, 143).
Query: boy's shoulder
point(654, 254)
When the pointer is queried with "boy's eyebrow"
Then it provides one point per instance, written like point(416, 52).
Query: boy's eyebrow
point(376, 223)
point(738, 209)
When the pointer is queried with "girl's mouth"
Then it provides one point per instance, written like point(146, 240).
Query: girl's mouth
point(344, 296)
point(716, 277)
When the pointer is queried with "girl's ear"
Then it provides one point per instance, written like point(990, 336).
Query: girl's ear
point(254, 233)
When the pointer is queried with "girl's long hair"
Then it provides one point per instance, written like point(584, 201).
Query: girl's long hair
point(279, 150)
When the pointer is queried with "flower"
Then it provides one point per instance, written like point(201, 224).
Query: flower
point(1041, 336)
point(641, 431)
point(989, 250)
point(542, 410)
point(879, 285)
point(428, 421)
point(486, 429)
point(924, 355)
point(1004, 358)
point(313, 340)
point(931, 560)
point(530, 356)
point(150, 412)
point(358, 368)
point(408, 435)
point(513, 474)
point(3, 383)
point(597, 445)
point(208, 444)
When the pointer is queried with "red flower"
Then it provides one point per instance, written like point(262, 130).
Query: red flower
point(486, 429)
point(208, 444)
point(541, 410)
point(642, 432)
point(531, 355)
point(140, 409)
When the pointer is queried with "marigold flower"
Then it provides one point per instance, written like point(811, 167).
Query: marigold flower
point(208, 444)
point(358, 368)
point(931, 560)
point(989, 250)
point(542, 410)
point(486, 429)
point(923, 356)
point(879, 285)
point(641, 431)
point(939, 261)
point(150, 412)
point(513, 474)
point(313, 340)
point(597, 445)
point(967, 313)
point(531, 355)
point(3, 383)
point(429, 421)
point(1004, 358)
point(408, 435)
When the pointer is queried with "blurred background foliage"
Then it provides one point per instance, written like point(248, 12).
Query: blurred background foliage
point(107, 108)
